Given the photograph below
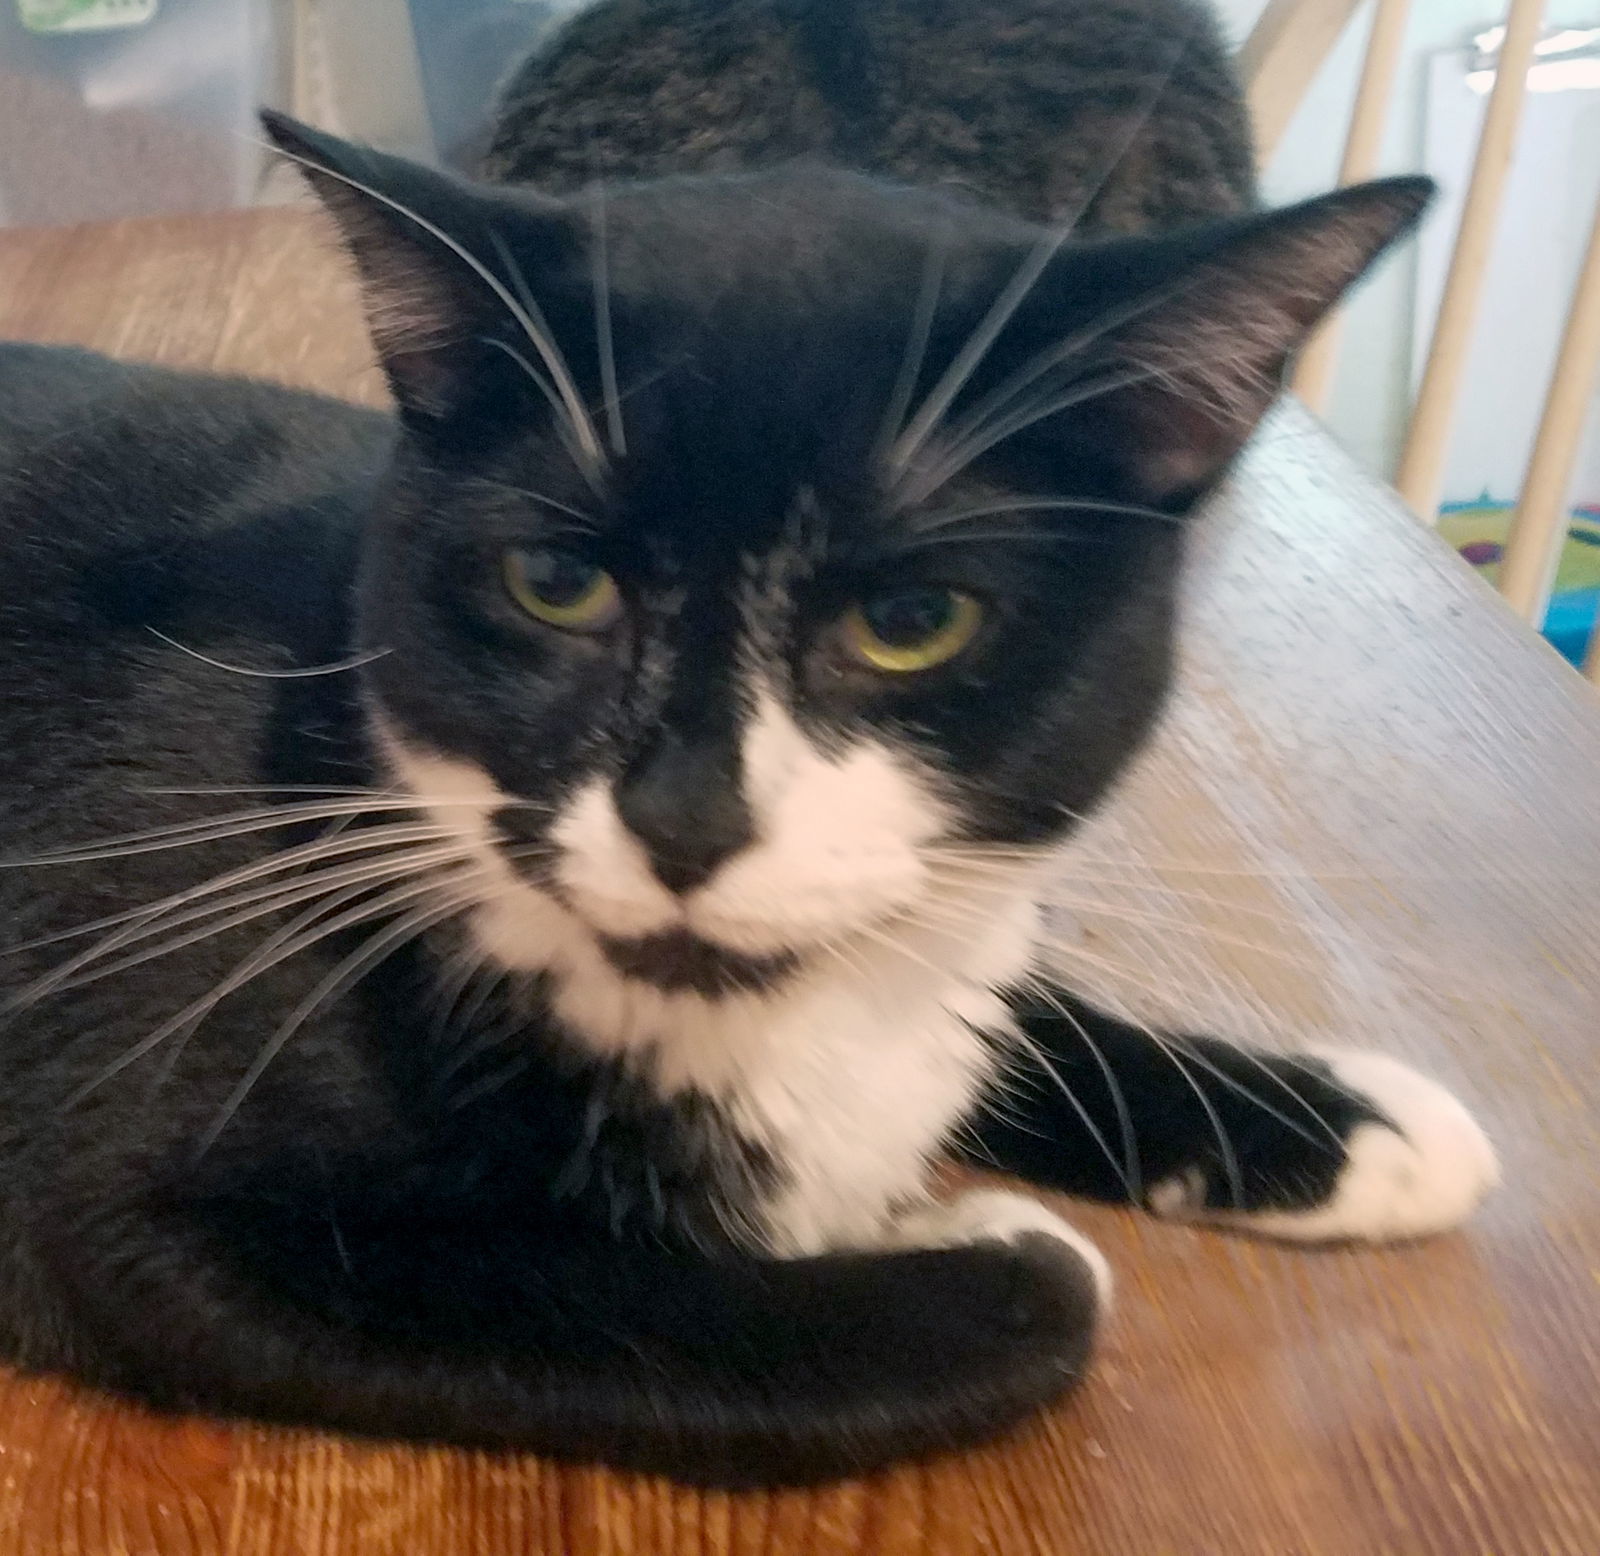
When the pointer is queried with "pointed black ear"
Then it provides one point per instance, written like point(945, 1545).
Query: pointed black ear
point(1191, 358)
point(432, 253)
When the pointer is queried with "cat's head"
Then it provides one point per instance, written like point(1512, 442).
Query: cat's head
point(760, 548)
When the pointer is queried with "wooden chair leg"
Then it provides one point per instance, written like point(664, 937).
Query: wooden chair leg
point(1533, 549)
point(1427, 440)
point(1281, 57)
point(1313, 379)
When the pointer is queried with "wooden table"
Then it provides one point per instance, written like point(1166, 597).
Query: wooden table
point(1373, 817)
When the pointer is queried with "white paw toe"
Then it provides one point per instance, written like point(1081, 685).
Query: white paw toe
point(994, 1215)
point(1425, 1175)
point(1182, 1197)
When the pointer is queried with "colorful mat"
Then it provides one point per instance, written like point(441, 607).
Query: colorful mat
point(1478, 532)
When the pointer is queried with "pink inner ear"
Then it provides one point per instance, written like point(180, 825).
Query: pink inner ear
point(1202, 409)
point(1206, 360)
point(1172, 469)
point(1197, 409)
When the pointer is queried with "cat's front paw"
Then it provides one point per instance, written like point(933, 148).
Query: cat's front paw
point(998, 1216)
point(1411, 1161)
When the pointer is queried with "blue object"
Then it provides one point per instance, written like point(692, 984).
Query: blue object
point(1570, 620)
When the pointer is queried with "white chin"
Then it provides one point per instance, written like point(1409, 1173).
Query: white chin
point(615, 919)
point(791, 938)
point(807, 919)
point(624, 918)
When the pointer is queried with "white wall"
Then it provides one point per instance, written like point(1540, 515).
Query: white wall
point(1372, 391)
point(1544, 228)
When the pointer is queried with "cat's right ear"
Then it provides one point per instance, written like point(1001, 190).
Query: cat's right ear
point(435, 257)
point(1190, 334)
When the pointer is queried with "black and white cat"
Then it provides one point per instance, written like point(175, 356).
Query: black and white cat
point(654, 748)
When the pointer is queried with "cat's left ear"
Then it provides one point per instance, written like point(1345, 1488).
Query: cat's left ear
point(1192, 335)
point(443, 264)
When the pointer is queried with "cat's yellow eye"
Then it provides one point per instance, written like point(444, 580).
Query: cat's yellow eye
point(562, 589)
point(913, 629)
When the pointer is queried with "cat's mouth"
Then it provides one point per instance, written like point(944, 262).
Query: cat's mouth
point(672, 954)
point(677, 960)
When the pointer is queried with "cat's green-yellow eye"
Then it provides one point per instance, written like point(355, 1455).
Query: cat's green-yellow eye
point(562, 589)
point(913, 629)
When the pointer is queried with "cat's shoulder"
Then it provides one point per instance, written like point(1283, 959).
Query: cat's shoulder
point(113, 471)
point(131, 452)
point(76, 398)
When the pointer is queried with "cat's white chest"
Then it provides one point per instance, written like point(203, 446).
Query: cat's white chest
point(851, 1076)
point(859, 1093)
point(849, 1069)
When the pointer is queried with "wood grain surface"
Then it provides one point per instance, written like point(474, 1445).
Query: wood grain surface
point(1373, 817)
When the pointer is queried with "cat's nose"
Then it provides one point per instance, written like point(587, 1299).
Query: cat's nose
point(681, 800)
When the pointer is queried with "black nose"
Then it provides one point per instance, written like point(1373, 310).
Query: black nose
point(681, 800)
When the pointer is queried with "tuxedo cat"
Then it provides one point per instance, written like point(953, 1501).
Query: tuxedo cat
point(507, 902)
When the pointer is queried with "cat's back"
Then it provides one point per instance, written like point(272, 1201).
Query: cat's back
point(1122, 114)
point(158, 529)
point(117, 477)
point(141, 509)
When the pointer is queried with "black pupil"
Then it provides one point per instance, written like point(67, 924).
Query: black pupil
point(905, 620)
point(558, 577)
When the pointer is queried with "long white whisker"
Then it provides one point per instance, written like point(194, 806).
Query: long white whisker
point(330, 790)
point(288, 860)
point(287, 815)
point(1015, 1035)
point(577, 414)
point(1204, 933)
point(1002, 888)
point(1235, 1085)
point(605, 346)
point(1179, 925)
point(958, 455)
point(188, 834)
point(1133, 1177)
point(917, 339)
point(970, 357)
point(338, 982)
point(260, 960)
point(1030, 535)
point(544, 499)
point(984, 414)
point(928, 523)
point(543, 385)
point(287, 942)
point(1230, 1158)
point(1142, 865)
point(71, 976)
point(1004, 884)
point(961, 455)
point(338, 667)
point(952, 918)
point(555, 361)
point(1207, 978)
point(967, 361)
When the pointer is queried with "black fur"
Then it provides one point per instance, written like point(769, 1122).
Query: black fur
point(1241, 1131)
point(483, 1238)
point(451, 1218)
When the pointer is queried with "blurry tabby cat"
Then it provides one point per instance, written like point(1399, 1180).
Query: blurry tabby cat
point(508, 902)
point(1114, 115)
